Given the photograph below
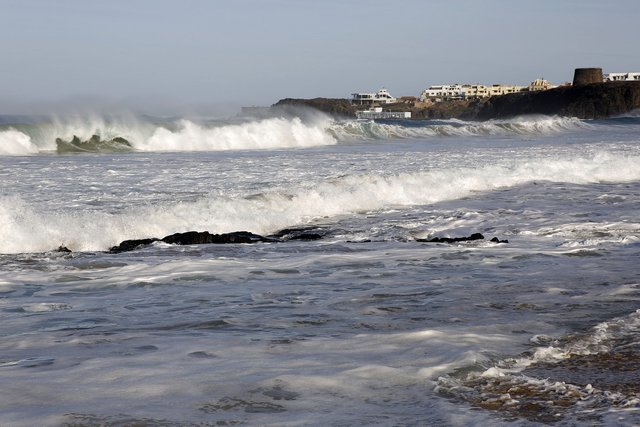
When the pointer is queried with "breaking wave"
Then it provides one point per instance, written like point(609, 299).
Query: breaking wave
point(118, 134)
point(100, 135)
point(13, 143)
point(529, 125)
point(25, 229)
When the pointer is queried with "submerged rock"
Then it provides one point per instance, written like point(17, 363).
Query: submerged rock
point(193, 238)
point(496, 240)
point(474, 236)
point(93, 144)
point(300, 233)
point(129, 245)
point(204, 237)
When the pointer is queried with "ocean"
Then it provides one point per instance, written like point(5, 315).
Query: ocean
point(356, 319)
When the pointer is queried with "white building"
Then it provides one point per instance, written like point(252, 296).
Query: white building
point(540, 84)
point(455, 91)
point(620, 77)
point(381, 97)
point(442, 92)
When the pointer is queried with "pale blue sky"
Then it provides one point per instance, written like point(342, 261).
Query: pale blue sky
point(162, 55)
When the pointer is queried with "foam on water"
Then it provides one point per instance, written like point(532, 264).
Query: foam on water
point(526, 385)
point(366, 326)
point(14, 142)
point(25, 229)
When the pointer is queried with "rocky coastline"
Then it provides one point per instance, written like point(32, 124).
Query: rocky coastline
point(588, 101)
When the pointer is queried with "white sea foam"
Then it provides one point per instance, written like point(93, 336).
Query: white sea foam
point(25, 229)
point(16, 143)
point(597, 341)
point(262, 134)
point(279, 132)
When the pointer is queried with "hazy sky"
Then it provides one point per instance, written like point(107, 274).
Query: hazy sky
point(159, 55)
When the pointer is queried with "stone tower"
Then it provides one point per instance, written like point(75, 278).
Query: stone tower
point(585, 76)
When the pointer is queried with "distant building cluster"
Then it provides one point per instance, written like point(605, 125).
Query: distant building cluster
point(448, 92)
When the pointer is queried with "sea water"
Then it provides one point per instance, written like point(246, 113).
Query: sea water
point(369, 325)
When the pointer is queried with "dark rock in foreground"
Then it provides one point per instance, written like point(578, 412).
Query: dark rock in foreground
point(204, 237)
point(193, 238)
point(129, 245)
point(474, 236)
point(300, 233)
point(287, 234)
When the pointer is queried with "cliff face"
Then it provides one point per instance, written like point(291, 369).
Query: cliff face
point(591, 101)
point(332, 106)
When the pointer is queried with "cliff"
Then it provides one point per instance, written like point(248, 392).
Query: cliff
point(332, 106)
point(591, 101)
point(588, 101)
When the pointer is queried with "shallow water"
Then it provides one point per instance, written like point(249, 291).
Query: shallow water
point(366, 326)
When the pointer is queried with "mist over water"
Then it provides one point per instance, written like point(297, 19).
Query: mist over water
point(368, 325)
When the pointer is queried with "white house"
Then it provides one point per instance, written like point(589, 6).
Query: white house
point(540, 84)
point(381, 97)
point(618, 77)
point(442, 92)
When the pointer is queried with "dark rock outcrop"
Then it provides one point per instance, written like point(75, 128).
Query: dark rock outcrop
point(299, 233)
point(334, 106)
point(130, 245)
point(193, 238)
point(93, 144)
point(204, 237)
point(591, 101)
point(496, 240)
point(474, 236)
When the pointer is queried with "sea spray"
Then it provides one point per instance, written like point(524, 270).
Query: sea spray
point(15, 143)
point(261, 134)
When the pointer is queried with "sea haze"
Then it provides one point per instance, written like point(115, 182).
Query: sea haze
point(370, 324)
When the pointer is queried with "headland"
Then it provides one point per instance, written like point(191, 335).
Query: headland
point(589, 97)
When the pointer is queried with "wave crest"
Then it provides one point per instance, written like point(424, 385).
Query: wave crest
point(529, 125)
point(261, 134)
point(24, 229)
point(16, 143)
